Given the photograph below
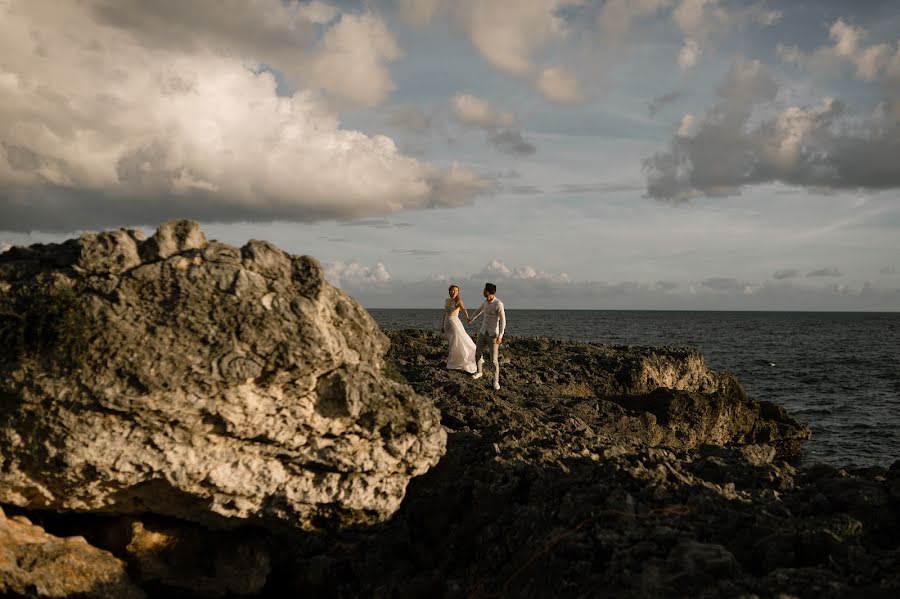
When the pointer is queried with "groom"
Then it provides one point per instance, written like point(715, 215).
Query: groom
point(491, 333)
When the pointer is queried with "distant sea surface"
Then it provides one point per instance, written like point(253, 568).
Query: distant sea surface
point(838, 373)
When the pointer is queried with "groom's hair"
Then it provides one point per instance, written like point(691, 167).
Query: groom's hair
point(491, 288)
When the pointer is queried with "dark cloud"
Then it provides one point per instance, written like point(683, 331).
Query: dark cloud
point(375, 223)
point(419, 252)
point(825, 272)
point(590, 188)
point(511, 141)
point(724, 284)
point(825, 147)
point(657, 104)
point(523, 189)
point(786, 273)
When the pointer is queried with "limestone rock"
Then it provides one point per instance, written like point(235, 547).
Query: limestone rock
point(36, 564)
point(201, 381)
point(664, 396)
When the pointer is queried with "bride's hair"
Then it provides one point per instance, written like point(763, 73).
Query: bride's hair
point(457, 298)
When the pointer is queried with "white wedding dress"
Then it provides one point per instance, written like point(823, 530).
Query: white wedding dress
point(462, 348)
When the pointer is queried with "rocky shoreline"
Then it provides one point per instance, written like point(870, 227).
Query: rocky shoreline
point(186, 418)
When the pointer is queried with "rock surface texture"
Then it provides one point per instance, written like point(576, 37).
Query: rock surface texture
point(36, 564)
point(579, 478)
point(193, 379)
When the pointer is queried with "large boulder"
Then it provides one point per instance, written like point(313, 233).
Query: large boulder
point(197, 380)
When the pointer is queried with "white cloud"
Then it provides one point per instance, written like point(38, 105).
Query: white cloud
point(472, 110)
point(354, 275)
point(507, 32)
point(689, 54)
point(119, 130)
point(686, 127)
point(872, 63)
point(496, 270)
point(559, 85)
point(349, 60)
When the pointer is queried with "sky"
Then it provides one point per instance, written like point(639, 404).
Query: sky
point(618, 154)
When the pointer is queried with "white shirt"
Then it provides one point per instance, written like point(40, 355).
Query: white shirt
point(494, 323)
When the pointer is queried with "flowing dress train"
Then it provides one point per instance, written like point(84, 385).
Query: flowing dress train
point(462, 348)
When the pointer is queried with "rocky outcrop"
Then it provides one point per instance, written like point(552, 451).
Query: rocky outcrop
point(193, 379)
point(36, 564)
point(540, 495)
point(639, 396)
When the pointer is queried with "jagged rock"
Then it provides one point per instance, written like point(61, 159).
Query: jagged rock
point(36, 564)
point(632, 395)
point(540, 494)
point(197, 380)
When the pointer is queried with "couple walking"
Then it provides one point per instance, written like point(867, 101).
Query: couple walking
point(465, 355)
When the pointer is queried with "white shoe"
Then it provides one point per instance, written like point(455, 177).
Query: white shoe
point(497, 385)
point(477, 375)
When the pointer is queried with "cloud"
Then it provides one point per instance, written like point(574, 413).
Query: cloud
point(4, 247)
point(472, 110)
point(419, 252)
point(507, 33)
point(888, 270)
point(347, 58)
point(510, 141)
point(495, 270)
point(522, 189)
point(102, 124)
point(616, 19)
point(410, 119)
point(595, 188)
point(350, 60)
point(725, 284)
point(418, 13)
point(686, 126)
point(874, 62)
point(825, 272)
point(560, 86)
point(529, 286)
point(699, 20)
point(355, 275)
point(655, 105)
point(787, 273)
point(734, 144)
point(500, 126)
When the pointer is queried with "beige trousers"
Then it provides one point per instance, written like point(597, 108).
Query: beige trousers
point(483, 342)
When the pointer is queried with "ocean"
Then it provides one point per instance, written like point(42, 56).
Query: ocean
point(837, 372)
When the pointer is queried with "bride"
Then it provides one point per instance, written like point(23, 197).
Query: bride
point(462, 348)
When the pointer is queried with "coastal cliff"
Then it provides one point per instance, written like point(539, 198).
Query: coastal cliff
point(220, 421)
